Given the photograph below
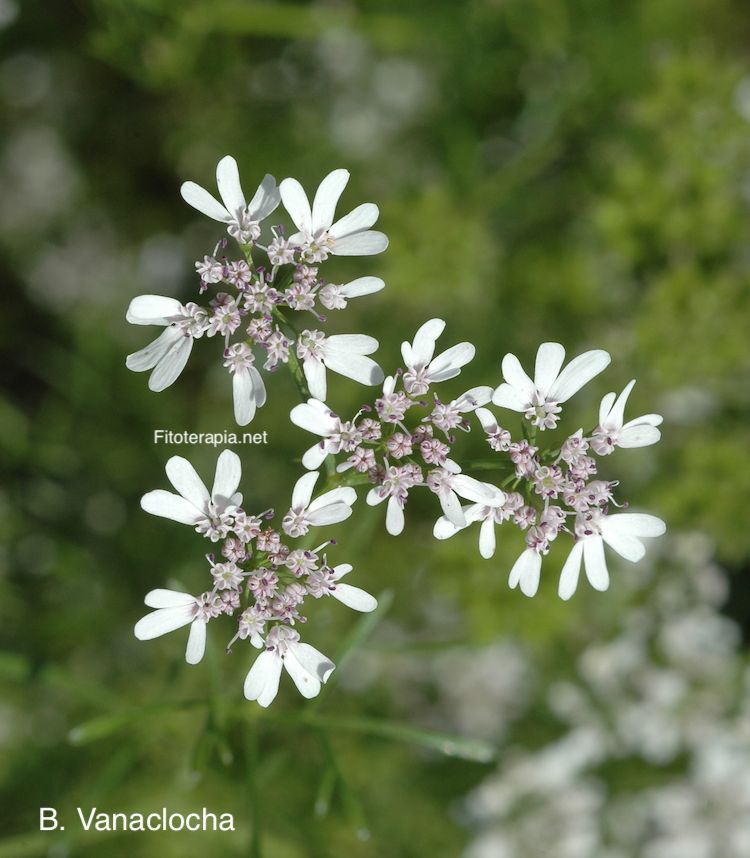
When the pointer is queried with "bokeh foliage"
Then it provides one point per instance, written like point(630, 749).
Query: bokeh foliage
point(546, 169)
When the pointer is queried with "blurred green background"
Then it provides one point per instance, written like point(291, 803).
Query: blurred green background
point(546, 169)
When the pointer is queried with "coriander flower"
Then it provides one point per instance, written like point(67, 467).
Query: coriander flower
point(449, 486)
point(335, 297)
point(613, 432)
point(242, 218)
point(329, 508)
point(168, 353)
point(539, 400)
point(210, 514)
point(248, 390)
point(341, 353)
point(318, 234)
point(316, 417)
point(526, 571)
point(175, 610)
point(622, 532)
point(489, 515)
point(307, 667)
point(422, 369)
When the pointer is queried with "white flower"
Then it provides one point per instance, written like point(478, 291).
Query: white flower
point(349, 236)
point(341, 353)
point(488, 515)
point(352, 597)
point(613, 432)
point(307, 667)
point(316, 417)
point(422, 369)
point(168, 353)
point(526, 571)
point(335, 297)
point(449, 486)
point(622, 532)
point(209, 514)
point(248, 390)
point(330, 508)
point(175, 610)
point(541, 398)
point(242, 218)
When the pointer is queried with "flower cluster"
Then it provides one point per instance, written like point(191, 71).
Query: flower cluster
point(405, 441)
point(252, 292)
point(255, 576)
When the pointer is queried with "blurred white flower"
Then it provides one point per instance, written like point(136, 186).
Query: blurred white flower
point(318, 234)
point(612, 430)
point(307, 667)
point(539, 400)
point(243, 219)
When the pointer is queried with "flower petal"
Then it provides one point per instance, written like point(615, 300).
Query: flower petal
point(354, 598)
point(243, 396)
point(525, 572)
point(266, 199)
point(638, 436)
point(357, 221)
point(168, 505)
point(514, 375)
point(153, 310)
point(163, 621)
point(360, 244)
point(577, 373)
point(330, 514)
point(595, 562)
point(313, 661)
point(315, 375)
point(186, 481)
point(314, 416)
point(342, 494)
point(148, 357)
point(616, 416)
point(228, 181)
point(262, 680)
point(394, 517)
point(326, 199)
point(199, 198)
point(227, 477)
point(570, 572)
point(549, 360)
point(636, 523)
point(314, 457)
point(167, 599)
point(303, 490)
point(296, 203)
point(357, 367)
point(171, 365)
point(448, 364)
point(487, 542)
point(423, 348)
point(307, 683)
point(196, 645)
point(506, 396)
point(362, 286)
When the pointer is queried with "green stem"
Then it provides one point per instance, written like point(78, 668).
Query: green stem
point(295, 367)
point(251, 765)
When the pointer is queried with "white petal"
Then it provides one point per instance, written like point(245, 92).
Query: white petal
point(167, 599)
point(315, 375)
point(487, 538)
point(153, 310)
point(510, 397)
point(570, 572)
point(360, 244)
point(452, 508)
point(171, 365)
point(314, 416)
point(394, 517)
point(347, 344)
point(326, 199)
point(196, 645)
point(487, 419)
point(357, 367)
point(342, 494)
point(514, 375)
point(228, 181)
point(606, 406)
point(423, 347)
point(296, 203)
point(266, 199)
point(227, 477)
point(595, 563)
point(362, 286)
point(577, 373)
point(162, 622)
point(357, 221)
point(448, 364)
point(199, 198)
point(262, 680)
point(186, 481)
point(314, 457)
point(638, 436)
point(313, 661)
point(341, 570)
point(616, 416)
point(148, 357)
point(354, 598)
point(525, 572)
point(549, 361)
point(444, 528)
point(303, 490)
point(635, 523)
point(243, 396)
point(168, 505)
point(329, 514)
point(474, 398)
point(374, 497)
point(477, 491)
point(307, 683)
